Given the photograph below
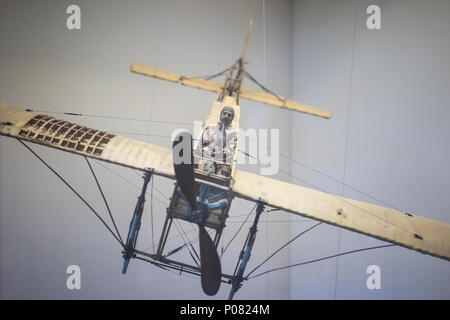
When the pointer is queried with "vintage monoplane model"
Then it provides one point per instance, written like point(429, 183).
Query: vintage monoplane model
point(207, 183)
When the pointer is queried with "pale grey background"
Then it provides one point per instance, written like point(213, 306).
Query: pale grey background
point(388, 90)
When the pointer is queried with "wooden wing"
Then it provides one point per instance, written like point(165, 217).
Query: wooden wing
point(98, 144)
point(267, 98)
point(258, 96)
point(173, 77)
point(407, 230)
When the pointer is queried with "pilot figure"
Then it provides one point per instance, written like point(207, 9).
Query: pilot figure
point(218, 142)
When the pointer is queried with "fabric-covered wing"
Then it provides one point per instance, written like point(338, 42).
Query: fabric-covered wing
point(209, 85)
point(98, 144)
point(410, 231)
point(173, 77)
point(278, 101)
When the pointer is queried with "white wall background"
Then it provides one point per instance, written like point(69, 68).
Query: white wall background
point(388, 90)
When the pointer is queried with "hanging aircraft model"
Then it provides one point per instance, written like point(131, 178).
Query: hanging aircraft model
point(207, 183)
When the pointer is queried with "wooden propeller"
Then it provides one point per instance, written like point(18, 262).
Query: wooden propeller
point(183, 163)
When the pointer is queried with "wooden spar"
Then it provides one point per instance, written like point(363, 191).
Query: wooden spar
point(84, 141)
point(181, 264)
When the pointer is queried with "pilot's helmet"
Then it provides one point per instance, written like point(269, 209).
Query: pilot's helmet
point(227, 115)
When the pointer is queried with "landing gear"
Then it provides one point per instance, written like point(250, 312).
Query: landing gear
point(135, 223)
point(238, 275)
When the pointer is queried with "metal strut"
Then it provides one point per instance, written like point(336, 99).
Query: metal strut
point(244, 256)
point(135, 223)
